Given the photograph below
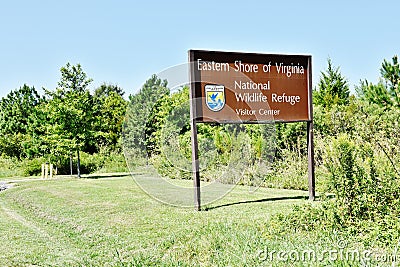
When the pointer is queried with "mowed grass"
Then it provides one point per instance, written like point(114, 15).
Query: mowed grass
point(112, 222)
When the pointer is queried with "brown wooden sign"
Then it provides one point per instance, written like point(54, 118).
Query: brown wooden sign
point(250, 88)
point(230, 87)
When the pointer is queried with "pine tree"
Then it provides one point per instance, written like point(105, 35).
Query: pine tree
point(332, 89)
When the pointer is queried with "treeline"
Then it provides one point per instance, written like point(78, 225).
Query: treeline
point(62, 124)
point(70, 122)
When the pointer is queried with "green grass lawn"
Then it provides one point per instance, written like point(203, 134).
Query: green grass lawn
point(112, 222)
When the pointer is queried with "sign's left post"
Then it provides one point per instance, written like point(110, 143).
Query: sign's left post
point(193, 78)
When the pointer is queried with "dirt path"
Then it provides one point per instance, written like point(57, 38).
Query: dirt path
point(5, 185)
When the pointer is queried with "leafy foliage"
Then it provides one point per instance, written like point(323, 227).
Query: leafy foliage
point(365, 183)
point(16, 108)
point(67, 120)
point(71, 109)
point(15, 111)
point(109, 111)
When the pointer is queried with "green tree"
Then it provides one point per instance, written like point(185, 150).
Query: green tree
point(374, 93)
point(333, 88)
point(110, 108)
point(137, 126)
point(15, 111)
point(386, 92)
point(71, 109)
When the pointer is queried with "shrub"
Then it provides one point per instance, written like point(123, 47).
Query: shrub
point(366, 192)
point(363, 190)
point(32, 167)
point(114, 163)
point(91, 162)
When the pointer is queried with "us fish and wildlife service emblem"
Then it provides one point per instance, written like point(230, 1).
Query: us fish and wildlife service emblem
point(215, 97)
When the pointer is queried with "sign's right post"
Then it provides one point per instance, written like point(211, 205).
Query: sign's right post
point(310, 149)
point(310, 139)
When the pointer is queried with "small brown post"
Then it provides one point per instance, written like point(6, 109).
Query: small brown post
point(195, 147)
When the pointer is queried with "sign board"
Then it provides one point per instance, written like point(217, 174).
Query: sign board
point(231, 87)
point(250, 88)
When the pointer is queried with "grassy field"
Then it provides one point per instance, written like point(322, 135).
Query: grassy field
point(110, 221)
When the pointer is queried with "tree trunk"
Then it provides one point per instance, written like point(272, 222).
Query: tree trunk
point(79, 165)
point(70, 162)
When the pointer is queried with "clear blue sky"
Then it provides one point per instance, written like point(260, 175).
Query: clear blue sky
point(124, 42)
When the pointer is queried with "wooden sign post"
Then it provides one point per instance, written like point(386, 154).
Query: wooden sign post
point(230, 87)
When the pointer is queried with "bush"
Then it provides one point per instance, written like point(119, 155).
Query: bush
point(32, 167)
point(114, 163)
point(363, 190)
point(91, 162)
